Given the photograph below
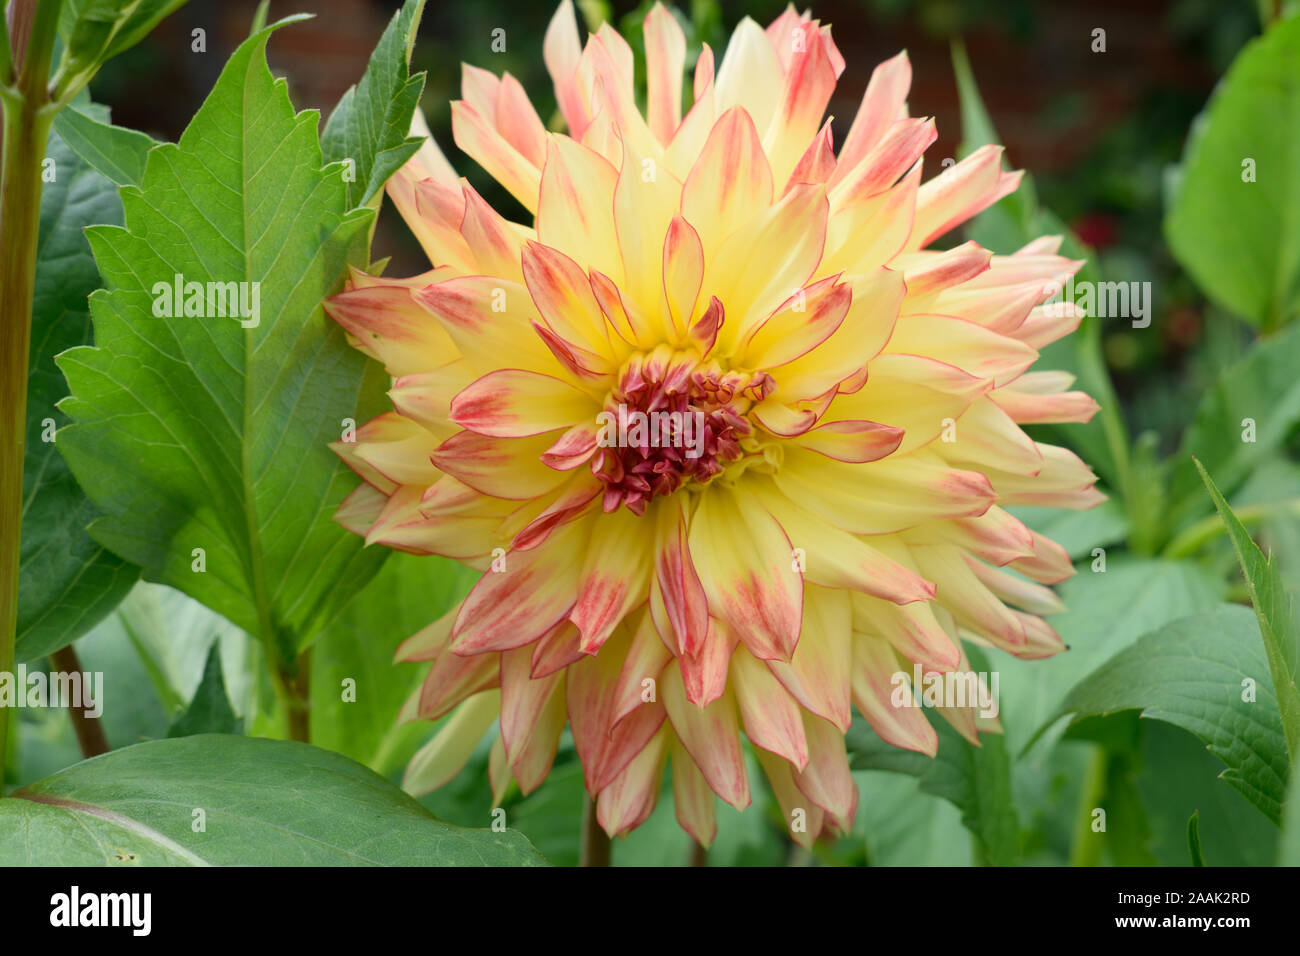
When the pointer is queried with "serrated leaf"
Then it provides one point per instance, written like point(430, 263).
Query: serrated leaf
point(264, 802)
point(115, 152)
point(209, 711)
point(67, 582)
point(202, 441)
point(1191, 673)
point(1275, 611)
point(1240, 239)
point(371, 123)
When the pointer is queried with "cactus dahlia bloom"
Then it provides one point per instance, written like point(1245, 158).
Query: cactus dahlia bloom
point(730, 443)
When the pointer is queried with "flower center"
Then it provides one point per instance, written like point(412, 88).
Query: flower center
point(671, 419)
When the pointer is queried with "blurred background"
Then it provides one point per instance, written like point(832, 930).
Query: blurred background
point(1096, 130)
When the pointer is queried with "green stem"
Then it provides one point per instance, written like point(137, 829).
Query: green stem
point(27, 120)
point(1086, 848)
point(1195, 537)
point(293, 689)
point(6, 53)
point(595, 847)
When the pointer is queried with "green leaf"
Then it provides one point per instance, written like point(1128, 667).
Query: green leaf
point(368, 129)
point(264, 802)
point(1078, 532)
point(1194, 839)
point(112, 151)
point(95, 31)
point(202, 441)
point(210, 711)
point(67, 582)
point(1262, 387)
point(1193, 673)
point(1275, 612)
point(359, 718)
point(1106, 612)
point(903, 825)
point(1241, 240)
point(1180, 776)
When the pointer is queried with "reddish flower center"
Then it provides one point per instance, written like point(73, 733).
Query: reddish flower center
point(671, 419)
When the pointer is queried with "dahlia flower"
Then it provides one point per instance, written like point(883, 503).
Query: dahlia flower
point(818, 502)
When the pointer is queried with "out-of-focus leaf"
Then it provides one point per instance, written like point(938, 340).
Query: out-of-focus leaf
point(357, 690)
point(1241, 422)
point(1233, 224)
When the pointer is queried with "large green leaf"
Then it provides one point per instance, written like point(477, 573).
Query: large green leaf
point(202, 441)
point(357, 690)
point(67, 582)
point(1194, 672)
point(369, 126)
point(263, 802)
point(1275, 612)
point(1240, 240)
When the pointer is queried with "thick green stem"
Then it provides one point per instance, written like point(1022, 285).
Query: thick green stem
point(1207, 529)
point(27, 120)
point(293, 689)
point(595, 847)
point(1086, 849)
